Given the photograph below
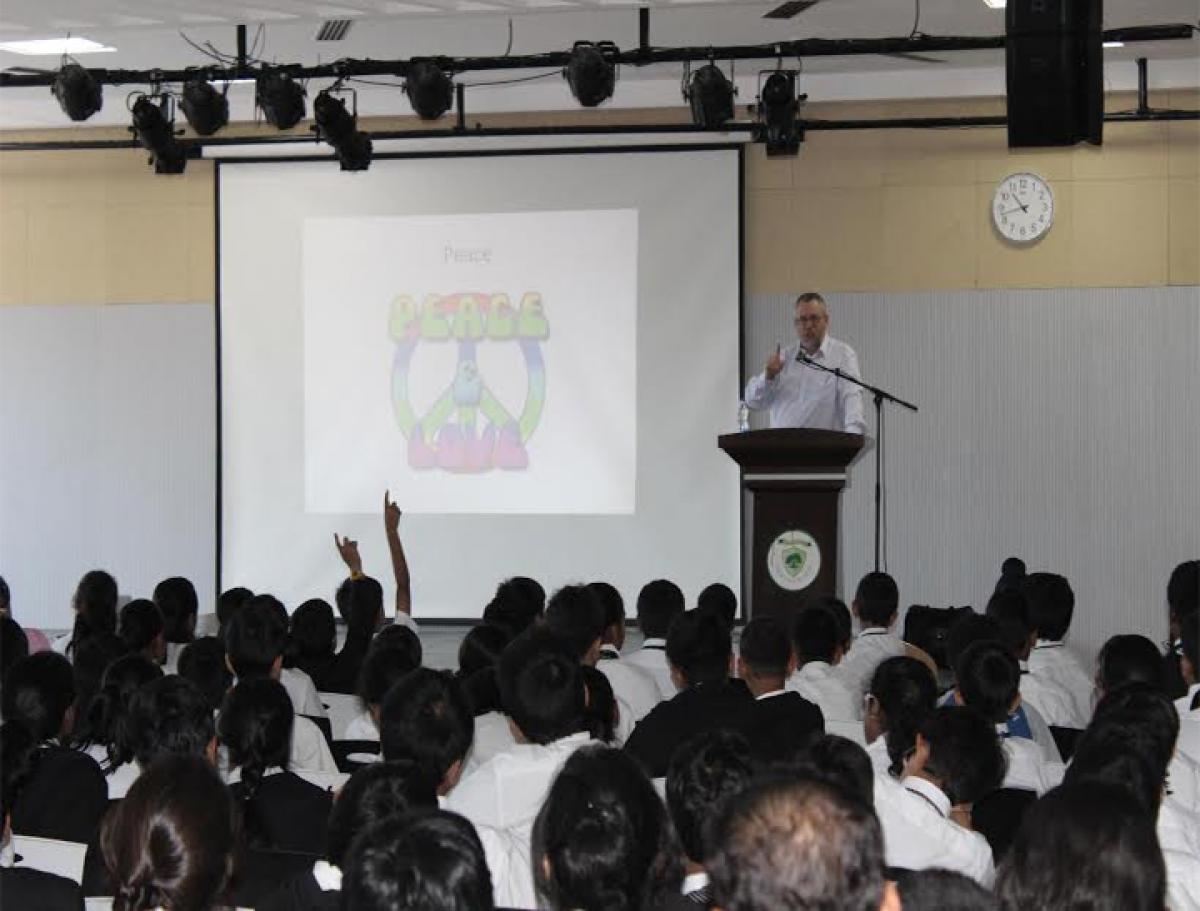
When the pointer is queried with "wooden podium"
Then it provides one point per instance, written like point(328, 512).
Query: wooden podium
point(793, 480)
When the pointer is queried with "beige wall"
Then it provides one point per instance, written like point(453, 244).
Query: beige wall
point(863, 210)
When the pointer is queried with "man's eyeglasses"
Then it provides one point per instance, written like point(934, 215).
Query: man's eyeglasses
point(801, 320)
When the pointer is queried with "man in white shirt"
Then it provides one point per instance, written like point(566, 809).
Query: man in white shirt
point(576, 615)
point(876, 606)
point(658, 604)
point(1051, 606)
point(816, 639)
point(800, 395)
point(926, 815)
point(542, 691)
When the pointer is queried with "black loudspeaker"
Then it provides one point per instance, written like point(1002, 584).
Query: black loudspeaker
point(1055, 67)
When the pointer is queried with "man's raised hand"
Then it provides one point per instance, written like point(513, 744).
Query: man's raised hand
point(774, 364)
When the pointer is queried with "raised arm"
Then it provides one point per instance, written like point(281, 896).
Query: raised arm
point(391, 525)
point(348, 551)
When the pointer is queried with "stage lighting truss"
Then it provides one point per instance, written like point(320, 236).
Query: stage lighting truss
point(778, 112)
point(205, 107)
point(429, 88)
point(154, 127)
point(339, 127)
point(591, 72)
point(280, 98)
point(79, 93)
point(709, 93)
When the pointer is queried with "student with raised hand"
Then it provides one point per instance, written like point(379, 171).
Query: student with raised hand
point(384, 667)
point(426, 861)
point(901, 696)
point(95, 606)
point(658, 604)
point(926, 813)
point(781, 722)
point(577, 616)
point(22, 887)
point(787, 844)
point(169, 844)
point(1056, 706)
point(876, 606)
point(140, 627)
point(281, 810)
point(101, 733)
point(987, 679)
point(425, 719)
point(700, 653)
point(66, 795)
point(1051, 607)
point(371, 796)
point(348, 550)
point(1083, 846)
point(542, 691)
point(176, 598)
point(602, 840)
point(704, 773)
point(817, 643)
point(254, 643)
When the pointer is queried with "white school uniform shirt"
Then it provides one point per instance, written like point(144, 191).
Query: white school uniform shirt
point(871, 648)
point(1052, 660)
point(362, 727)
point(505, 794)
point(819, 683)
point(652, 658)
point(1179, 838)
point(1189, 724)
point(120, 779)
point(634, 689)
point(310, 752)
point(918, 833)
point(877, 752)
point(302, 691)
point(493, 736)
point(1052, 701)
point(1027, 769)
point(1041, 734)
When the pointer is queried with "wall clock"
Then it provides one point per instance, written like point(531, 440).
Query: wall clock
point(1022, 208)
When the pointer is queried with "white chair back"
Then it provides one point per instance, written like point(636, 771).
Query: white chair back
point(342, 709)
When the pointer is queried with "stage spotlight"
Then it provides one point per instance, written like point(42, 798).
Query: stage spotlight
point(206, 109)
point(591, 72)
point(710, 94)
point(155, 130)
point(430, 90)
point(778, 110)
point(280, 98)
point(78, 93)
point(339, 128)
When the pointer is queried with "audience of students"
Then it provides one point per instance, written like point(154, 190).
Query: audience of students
point(208, 787)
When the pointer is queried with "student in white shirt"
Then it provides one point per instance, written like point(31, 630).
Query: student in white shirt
point(901, 696)
point(1051, 606)
point(816, 638)
point(385, 665)
point(1084, 845)
point(1010, 610)
point(602, 797)
point(542, 691)
point(176, 598)
point(659, 603)
point(425, 718)
point(926, 813)
point(704, 772)
point(876, 606)
point(577, 616)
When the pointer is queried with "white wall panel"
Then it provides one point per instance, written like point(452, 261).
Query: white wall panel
point(1062, 426)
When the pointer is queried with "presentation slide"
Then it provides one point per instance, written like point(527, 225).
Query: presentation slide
point(533, 353)
point(492, 356)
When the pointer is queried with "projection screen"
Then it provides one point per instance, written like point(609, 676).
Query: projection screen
point(534, 353)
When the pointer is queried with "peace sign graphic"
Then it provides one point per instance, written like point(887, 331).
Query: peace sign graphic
point(468, 429)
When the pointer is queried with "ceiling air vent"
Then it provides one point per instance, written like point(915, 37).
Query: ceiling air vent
point(334, 29)
point(790, 9)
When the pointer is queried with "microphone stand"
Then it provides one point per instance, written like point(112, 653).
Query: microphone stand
point(880, 397)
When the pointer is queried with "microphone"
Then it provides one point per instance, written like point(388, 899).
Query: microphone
point(802, 358)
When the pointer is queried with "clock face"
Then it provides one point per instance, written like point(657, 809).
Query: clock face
point(1022, 208)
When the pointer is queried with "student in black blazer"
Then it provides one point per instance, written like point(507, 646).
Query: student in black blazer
point(281, 811)
point(700, 654)
point(781, 723)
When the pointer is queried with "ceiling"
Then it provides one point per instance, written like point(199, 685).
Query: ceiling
point(147, 33)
